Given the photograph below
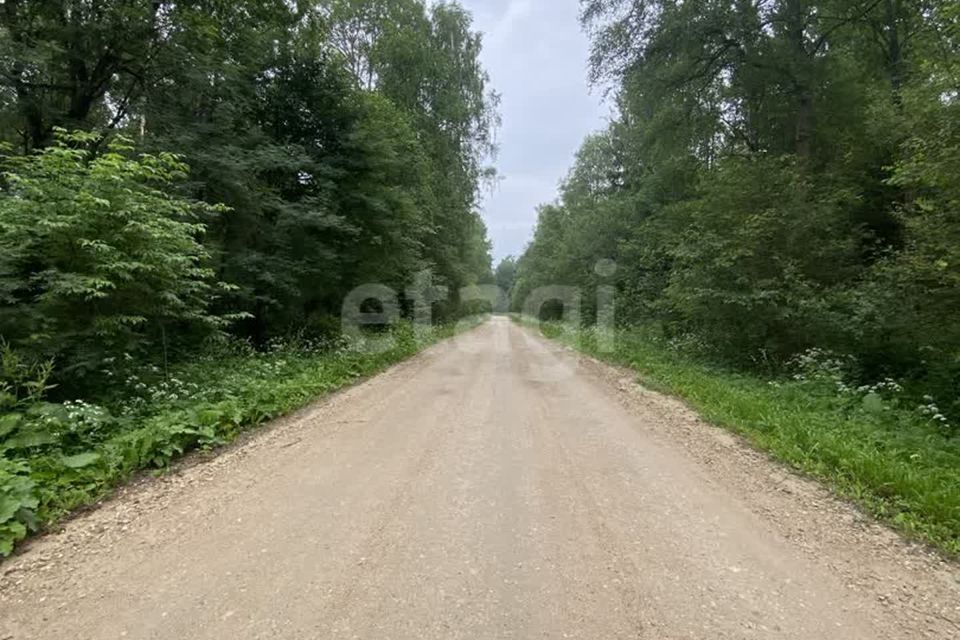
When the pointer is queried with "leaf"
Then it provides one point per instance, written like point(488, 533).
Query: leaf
point(9, 424)
point(80, 460)
point(6, 543)
point(8, 507)
point(30, 439)
point(10, 532)
point(873, 403)
point(7, 399)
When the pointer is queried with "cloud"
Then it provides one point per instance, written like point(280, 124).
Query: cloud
point(509, 22)
point(536, 55)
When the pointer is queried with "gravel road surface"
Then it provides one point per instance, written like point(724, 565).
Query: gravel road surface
point(496, 486)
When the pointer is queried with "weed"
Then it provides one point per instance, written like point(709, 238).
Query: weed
point(55, 458)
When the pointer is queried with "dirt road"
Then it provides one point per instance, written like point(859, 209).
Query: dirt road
point(497, 486)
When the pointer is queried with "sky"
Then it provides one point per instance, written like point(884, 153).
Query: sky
point(536, 55)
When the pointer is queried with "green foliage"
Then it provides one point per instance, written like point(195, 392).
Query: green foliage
point(905, 306)
point(350, 149)
point(752, 270)
point(506, 274)
point(61, 60)
point(18, 504)
point(348, 141)
point(59, 456)
point(22, 381)
point(869, 443)
point(781, 176)
point(426, 61)
point(95, 258)
point(348, 138)
point(779, 193)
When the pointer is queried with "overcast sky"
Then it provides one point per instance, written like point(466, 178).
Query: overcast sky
point(536, 55)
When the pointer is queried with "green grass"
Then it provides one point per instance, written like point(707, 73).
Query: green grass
point(890, 459)
point(56, 458)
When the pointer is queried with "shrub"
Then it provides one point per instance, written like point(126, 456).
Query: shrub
point(97, 257)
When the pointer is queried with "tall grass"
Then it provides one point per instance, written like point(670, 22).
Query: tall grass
point(57, 457)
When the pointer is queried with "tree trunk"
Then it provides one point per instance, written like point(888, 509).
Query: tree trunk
point(895, 56)
point(800, 62)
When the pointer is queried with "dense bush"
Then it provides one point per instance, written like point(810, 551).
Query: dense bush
point(58, 456)
point(753, 270)
point(339, 165)
point(97, 259)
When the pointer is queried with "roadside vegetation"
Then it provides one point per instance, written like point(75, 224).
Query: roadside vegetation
point(870, 443)
point(58, 456)
point(188, 193)
point(776, 210)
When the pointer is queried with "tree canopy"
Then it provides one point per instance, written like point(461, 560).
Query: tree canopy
point(779, 176)
point(276, 153)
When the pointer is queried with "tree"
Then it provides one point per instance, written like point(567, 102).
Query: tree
point(778, 177)
point(63, 61)
point(506, 274)
point(426, 61)
point(97, 260)
point(349, 139)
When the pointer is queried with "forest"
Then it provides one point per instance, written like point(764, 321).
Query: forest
point(189, 190)
point(778, 190)
point(779, 177)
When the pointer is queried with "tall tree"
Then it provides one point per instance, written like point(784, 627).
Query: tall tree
point(774, 180)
